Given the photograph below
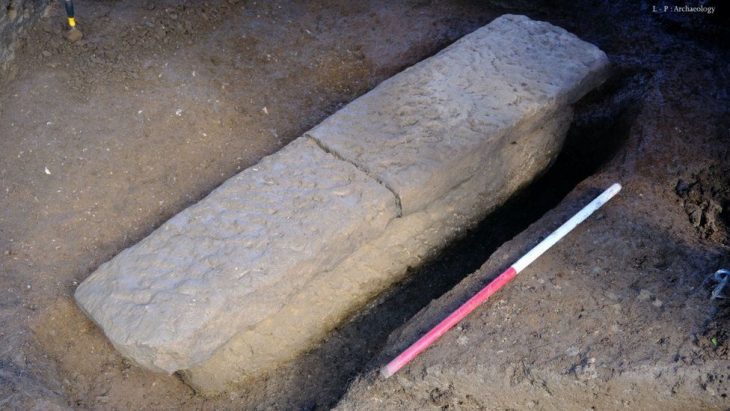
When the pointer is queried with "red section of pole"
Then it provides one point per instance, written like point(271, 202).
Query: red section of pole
point(445, 325)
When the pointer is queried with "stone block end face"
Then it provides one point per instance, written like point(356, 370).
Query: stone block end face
point(235, 257)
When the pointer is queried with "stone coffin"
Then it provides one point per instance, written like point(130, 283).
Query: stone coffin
point(266, 265)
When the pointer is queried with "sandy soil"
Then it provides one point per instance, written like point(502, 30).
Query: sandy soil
point(161, 101)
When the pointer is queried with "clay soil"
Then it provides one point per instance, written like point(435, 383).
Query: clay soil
point(161, 101)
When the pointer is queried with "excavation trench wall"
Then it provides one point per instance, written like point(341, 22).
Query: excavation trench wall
point(15, 17)
point(261, 269)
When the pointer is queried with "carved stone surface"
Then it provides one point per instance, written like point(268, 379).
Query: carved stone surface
point(261, 269)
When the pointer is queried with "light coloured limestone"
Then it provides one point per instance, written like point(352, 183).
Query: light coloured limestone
point(261, 269)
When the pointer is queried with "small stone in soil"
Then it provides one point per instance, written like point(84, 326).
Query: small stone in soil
point(74, 35)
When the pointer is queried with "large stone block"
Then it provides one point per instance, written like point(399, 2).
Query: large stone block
point(234, 258)
point(261, 269)
point(429, 128)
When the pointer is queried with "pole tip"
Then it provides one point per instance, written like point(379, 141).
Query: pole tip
point(386, 373)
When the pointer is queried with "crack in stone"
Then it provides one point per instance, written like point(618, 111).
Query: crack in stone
point(323, 147)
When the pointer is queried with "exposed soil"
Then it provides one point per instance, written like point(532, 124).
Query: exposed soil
point(104, 139)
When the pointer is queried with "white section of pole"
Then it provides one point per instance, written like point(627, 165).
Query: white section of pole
point(567, 227)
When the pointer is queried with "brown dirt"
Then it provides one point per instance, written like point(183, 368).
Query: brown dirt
point(162, 101)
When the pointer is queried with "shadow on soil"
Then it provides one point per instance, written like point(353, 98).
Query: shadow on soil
point(318, 379)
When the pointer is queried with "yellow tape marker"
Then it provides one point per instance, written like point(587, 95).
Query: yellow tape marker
point(72, 22)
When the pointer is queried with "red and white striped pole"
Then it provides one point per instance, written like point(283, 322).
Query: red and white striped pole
point(445, 325)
